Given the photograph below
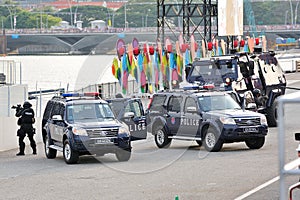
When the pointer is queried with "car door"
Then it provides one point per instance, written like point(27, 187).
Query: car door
point(173, 117)
point(57, 127)
point(137, 124)
point(190, 119)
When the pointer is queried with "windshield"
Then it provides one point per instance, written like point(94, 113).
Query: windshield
point(219, 102)
point(207, 70)
point(90, 112)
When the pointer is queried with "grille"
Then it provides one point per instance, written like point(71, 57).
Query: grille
point(247, 121)
point(105, 132)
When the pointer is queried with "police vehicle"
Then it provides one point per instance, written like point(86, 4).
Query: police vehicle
point(137, 122)
point(258, 73)
point(84, 124)
point(210, 118)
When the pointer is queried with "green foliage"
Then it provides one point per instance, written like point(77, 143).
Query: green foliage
point(86, 14)
point(139, 13)
point(25, 19)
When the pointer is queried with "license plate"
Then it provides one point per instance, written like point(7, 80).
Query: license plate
point(251, 130)
point(104, 141)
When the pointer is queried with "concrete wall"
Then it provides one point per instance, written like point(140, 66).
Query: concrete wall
point(8, 133)
point(11, 95)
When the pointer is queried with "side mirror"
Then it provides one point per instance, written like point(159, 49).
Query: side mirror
point(57, 118)
point(191, 109)
point(129, 115)
point(297, 136)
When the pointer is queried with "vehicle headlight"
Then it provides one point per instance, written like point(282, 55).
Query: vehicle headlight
point(123, 131)
point(79, 131)
point(227, 120)
point(263, 120)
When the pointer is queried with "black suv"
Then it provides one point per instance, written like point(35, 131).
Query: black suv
point(211, 118)
point(84, 125)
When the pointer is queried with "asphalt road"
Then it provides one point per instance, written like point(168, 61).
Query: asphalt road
point(184, 170)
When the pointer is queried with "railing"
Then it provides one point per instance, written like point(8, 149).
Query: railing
point(260, 28)
point(10, 72)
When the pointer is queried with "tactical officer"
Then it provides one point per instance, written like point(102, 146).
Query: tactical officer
point(25, 122)
point(260, 100)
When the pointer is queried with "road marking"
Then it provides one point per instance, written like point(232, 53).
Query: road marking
point(257, 188)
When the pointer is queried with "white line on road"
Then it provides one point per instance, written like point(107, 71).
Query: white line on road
point(257, 188)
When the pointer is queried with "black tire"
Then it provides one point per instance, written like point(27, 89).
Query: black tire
point(123, 154)
point(49, 152)
point(70, 156)
point(272, 114)
point(199, 142)
point(211, 140)
point(161, 137)
point(255, 143)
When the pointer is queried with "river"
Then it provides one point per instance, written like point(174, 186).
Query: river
point(69, 72)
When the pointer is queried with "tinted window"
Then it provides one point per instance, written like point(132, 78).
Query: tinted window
point(135, 108)
point(56, 109)
point(190, 102)
point(89, 112)
point(220, 102)
point(174, 104)
point(116, 107)
point(48, 110)
point(157, 103)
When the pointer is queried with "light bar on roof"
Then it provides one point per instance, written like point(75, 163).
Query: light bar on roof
point(86, 94)
point(70, 95)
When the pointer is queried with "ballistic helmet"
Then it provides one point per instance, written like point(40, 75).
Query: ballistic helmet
point(27, 104)
point(256, 92)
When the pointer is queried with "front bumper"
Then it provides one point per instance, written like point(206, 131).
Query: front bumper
point(233, 133)
point(85, 144)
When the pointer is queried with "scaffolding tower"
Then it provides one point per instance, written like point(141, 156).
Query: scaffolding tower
point(199, 18)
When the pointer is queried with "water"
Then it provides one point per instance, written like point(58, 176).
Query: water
point(69, 72)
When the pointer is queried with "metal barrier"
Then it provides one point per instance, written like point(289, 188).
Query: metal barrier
point(290, 168)
point(10, 72)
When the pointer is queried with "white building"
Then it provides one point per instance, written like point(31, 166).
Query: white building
point(98, 24)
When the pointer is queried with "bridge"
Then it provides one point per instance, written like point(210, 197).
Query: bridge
point(75, 42)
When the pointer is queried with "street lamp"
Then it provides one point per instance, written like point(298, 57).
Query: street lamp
point(296, 12)
point(291, 5)
point(125, 17)
point(10, 14)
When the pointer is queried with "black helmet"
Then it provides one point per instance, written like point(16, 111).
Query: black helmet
point(27, 104)
point(256, 92)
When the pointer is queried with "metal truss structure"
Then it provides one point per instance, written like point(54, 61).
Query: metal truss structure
point(199, 18)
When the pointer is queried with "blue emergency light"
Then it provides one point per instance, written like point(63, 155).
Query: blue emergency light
point(199, 87)
point(70, 94)
point(86, 94)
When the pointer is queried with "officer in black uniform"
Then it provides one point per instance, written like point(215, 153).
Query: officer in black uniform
point(260, 100)
point(25, 122)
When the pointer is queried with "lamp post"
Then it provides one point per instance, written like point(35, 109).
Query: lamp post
point(125, 17)
point(296, 12)
point(10, 14)
point(291, 6)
